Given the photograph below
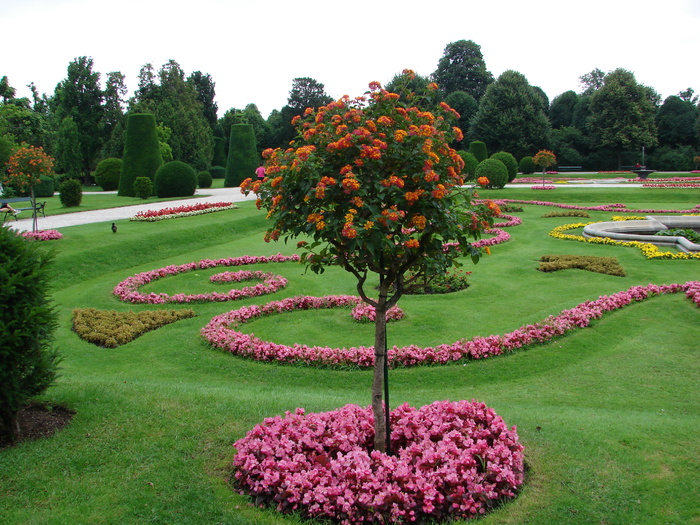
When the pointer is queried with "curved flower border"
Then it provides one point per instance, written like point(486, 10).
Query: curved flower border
point(220, 332)
point(365, 313)
point(43, 235)
point(650, 251)
point(128, 290)
point(188, 210)
point(453, 460)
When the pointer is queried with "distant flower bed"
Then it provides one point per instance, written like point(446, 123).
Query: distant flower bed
point(43, 235)
point(188, 210)
point(694, 185)
point(221, 331)
point(544, 187)
point(649, 250)
point(128, 290)
point(454, 460)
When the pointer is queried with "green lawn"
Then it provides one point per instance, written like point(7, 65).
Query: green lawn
point(609, 415)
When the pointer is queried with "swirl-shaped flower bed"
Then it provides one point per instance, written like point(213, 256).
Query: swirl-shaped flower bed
point(453, 460)
point(128, 290)
point(221, 331)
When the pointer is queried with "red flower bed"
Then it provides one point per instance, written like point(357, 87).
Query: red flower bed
point(454, 460)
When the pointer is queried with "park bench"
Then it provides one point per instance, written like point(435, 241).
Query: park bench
point(35, 206)
point(569, 168)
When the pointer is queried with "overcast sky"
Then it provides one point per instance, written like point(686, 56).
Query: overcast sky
point(253, 49)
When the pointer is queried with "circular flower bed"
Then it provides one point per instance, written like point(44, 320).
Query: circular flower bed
point(43, 235)
point(128, 290)
point(454, 460)
point(365, 313)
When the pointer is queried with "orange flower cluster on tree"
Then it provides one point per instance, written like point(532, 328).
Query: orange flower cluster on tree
point(26, 166)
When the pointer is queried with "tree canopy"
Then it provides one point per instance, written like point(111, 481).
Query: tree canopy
point(462, 68)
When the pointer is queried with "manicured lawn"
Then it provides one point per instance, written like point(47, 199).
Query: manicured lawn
point(608, 415)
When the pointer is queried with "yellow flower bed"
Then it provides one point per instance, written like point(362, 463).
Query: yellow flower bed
point(649, 250)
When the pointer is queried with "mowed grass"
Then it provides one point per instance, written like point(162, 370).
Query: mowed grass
point(608, 415)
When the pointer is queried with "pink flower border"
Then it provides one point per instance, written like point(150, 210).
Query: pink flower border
point(221, 331)
point(43, 235)
point(187, 210)
point(453, 460)
point(128, 290)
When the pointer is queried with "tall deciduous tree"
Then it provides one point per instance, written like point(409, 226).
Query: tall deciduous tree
point(80, 97)
point(375, 188)
point(511, 117)
point(622, 115)
point(591, 81)
point(676, 122)
point(462, 68)
point(174, 103)
point(204, 86)
point(561, 111)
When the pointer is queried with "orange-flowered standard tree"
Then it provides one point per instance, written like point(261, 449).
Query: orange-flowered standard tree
point(544, 158)
point(24, 170)
point(372, 185)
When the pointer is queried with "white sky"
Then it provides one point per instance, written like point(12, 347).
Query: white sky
point(253, 49)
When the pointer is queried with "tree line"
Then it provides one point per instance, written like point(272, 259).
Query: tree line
point(609, 123)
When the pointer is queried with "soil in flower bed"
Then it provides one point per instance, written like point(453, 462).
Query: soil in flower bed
point(39, 420)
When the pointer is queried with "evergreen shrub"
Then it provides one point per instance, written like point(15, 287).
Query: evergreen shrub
point(107, 174)
point(478, 149)
point(27, 323)
point(217, 172)
point(143, 187)
point(175, 179)
point(495, 171)
point(204, 179)
point(71, 193)
point(470, 164)
point(219, 152)
point(510, 163)
point(527, 166)
point(46, 186)
point(243, 157)
point(142, 156)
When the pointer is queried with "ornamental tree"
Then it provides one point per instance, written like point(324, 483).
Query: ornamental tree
point(544, 158)
point(25, 168)
point(372, 185)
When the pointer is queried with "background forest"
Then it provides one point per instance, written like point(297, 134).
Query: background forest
point(608, 124)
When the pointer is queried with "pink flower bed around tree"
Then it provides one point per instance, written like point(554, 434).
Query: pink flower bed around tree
point(453, 460)
point(188, 210)
point(43, 235)
point(221, 331)
point(365, 313)
point(128, 290)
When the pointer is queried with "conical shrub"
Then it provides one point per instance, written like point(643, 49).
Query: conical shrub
point(243, 156)
point(141, 152)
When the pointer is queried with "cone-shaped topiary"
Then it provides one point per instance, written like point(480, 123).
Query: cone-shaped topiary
point(510, 162)
point(219, 152)
point(495, 171)
point(107, 174)
point(478, 149)
point(141, 152)
point(243, 156)
point(175, 179)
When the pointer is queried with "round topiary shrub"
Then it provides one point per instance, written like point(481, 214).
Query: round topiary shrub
point(217, 172)
point(71, 193)
point(478, 149)
point(46, 186)
point(175, 179)
point(204, 179)
point(495, 171)
point(470, 164)
point(510, 163)
point(107, 174)
point(527, 166)
point(143, 187)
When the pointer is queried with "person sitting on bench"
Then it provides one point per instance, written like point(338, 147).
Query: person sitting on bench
point(6, 208)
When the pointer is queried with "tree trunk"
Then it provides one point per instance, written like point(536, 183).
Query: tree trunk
point(34, 217)
point(378, 383)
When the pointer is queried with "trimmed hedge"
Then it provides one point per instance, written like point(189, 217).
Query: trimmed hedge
point(495, 171)
point(71, 193)
point(590, 263)
point(470, 164)
point(243, 157)
point(141, 152)
point(527, 166)
point(204, 179)
point(46, 187)
point(217, 172)
point(510, 163)
point(143, 187)
point(175, 179)
point(478, 149)
point(107, 174)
